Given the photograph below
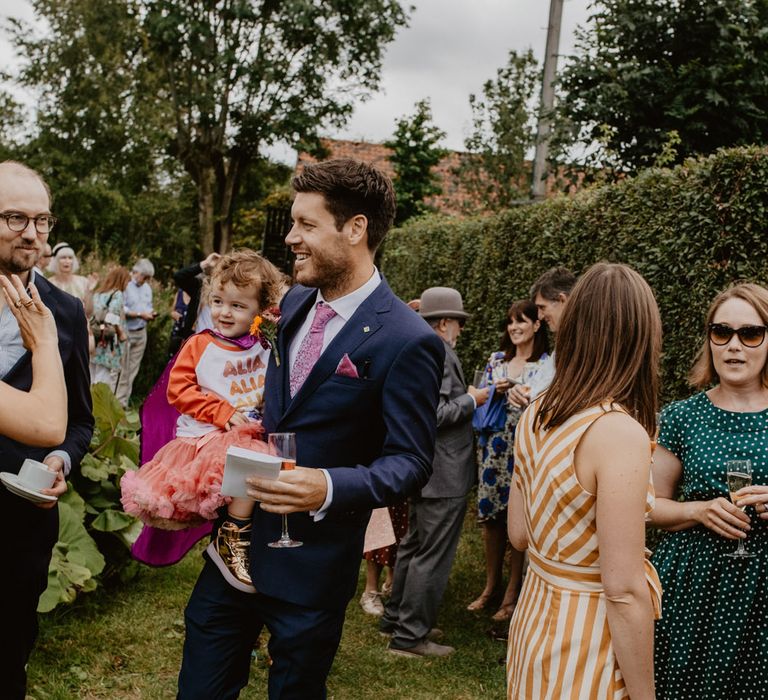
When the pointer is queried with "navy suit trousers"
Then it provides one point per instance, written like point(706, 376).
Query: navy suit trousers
point(222, 625)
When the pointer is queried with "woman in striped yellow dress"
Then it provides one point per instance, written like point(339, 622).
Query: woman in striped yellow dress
point(583, 627)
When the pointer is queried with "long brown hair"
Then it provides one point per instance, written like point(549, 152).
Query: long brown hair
point(703, 371)
point(520, 311)
point(117, 278)
point(607, 348)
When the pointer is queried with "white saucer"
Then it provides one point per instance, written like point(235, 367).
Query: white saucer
point(11, 482)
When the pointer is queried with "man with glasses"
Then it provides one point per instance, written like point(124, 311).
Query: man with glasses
point(138, 310)
point(31, 529)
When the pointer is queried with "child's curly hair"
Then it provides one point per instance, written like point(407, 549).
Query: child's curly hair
point(245, 268)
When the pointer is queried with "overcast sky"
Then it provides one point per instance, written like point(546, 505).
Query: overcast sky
point(449, 50)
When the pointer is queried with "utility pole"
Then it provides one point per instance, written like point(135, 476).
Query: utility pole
point(539, 185)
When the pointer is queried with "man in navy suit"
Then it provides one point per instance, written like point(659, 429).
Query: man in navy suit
point(32, 529)
point(364, 414)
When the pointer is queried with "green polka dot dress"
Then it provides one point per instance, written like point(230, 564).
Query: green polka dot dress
point(712, 641)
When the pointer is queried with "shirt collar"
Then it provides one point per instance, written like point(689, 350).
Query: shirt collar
point(346, 306)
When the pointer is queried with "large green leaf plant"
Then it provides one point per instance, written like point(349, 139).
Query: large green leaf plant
point(95, 534)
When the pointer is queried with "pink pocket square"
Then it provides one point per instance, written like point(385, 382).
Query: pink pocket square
point(346, 368)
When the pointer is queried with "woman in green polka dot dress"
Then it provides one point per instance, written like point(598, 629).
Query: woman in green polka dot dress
point(712, 641)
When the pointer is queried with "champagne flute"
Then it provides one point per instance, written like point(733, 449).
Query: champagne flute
point(284, 445)
point(739, 474)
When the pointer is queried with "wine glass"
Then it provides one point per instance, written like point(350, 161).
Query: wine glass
point(739, 474)
point(284, 445)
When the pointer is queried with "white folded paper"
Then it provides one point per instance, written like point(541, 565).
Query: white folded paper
point(241, 463)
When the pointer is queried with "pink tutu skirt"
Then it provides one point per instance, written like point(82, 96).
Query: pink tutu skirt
point(181, 485)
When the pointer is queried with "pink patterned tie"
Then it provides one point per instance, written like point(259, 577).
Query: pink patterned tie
point(311, 346)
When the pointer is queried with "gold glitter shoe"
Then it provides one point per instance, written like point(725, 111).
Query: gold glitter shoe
point(229, 550)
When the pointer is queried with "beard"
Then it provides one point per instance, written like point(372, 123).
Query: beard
point(329, 273)
point(20, 261)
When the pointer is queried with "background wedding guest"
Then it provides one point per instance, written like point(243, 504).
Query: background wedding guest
point(62, 269)
point(550, 293)
point(711, 642)
point(138, 311)
point(435, 517)
point(382, 559)
point(108, 327)
point(190, 280)
point(45, 259)
point(32, 528)
point(524, 348)
point(583, 626)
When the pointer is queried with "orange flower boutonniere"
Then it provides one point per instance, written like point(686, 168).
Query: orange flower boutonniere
point(264, 329)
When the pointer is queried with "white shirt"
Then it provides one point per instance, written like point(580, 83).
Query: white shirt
point(345, 308)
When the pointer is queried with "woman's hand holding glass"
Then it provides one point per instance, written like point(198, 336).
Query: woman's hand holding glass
point(36, 323)
point(755, 495)
point(722, 517)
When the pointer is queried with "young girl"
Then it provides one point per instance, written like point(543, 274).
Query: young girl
point(217, 384)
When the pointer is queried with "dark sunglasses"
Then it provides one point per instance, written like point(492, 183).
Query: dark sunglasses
point(750, 336)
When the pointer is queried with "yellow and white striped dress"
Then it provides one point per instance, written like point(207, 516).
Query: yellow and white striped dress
point(559, 641)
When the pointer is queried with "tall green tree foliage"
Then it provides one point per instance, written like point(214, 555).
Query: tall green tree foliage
point(503, 131)
point(242, 74)
point(100, 129)
point(650, 72)
point(415, 152)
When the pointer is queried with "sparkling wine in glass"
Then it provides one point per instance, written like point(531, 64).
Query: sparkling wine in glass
point(739, 474)
point(284, 445)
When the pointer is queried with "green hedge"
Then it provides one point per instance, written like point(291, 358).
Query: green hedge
point(689, 231)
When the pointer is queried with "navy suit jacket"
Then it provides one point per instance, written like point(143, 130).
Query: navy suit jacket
point(36, 529)
point(375, 434)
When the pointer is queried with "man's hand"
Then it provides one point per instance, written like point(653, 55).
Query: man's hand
point(59, 488)
point(295, 491)
point(209, 263)
point(479, 395)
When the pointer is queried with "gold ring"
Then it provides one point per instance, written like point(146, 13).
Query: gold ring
point(28, 302)
point(17, 303)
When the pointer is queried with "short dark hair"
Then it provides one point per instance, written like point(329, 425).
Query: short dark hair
point(351, 187)
point(553, 283)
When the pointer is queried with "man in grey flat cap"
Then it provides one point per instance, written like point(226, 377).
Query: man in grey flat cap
point(435, 517)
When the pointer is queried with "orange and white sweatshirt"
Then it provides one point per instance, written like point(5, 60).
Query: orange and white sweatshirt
point(211, 380)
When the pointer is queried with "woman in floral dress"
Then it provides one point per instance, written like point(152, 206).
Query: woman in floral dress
point(523, 350)
point(109, 346)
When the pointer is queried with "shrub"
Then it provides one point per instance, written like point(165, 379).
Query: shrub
point(689, 231)
point(95, 535)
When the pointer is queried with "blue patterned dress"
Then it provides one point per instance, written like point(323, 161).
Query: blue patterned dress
point(495, 450)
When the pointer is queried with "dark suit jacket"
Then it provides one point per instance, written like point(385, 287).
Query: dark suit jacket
point(453, 471)
point(29, 527)
point(188, 280)
point(374, 433)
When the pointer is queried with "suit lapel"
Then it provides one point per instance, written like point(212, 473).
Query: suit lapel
point(362, 326)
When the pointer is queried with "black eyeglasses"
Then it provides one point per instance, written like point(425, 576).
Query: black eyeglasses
point(19, 222)
point(750, 336)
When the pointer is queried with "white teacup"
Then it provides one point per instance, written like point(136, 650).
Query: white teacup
point(36, 476)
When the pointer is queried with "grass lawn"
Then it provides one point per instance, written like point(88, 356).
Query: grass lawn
point(125, 642)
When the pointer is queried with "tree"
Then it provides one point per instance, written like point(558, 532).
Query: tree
point(99, 131)
point(503, 130)
point(646, 69)
point(415, 152)
point(242, 74)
